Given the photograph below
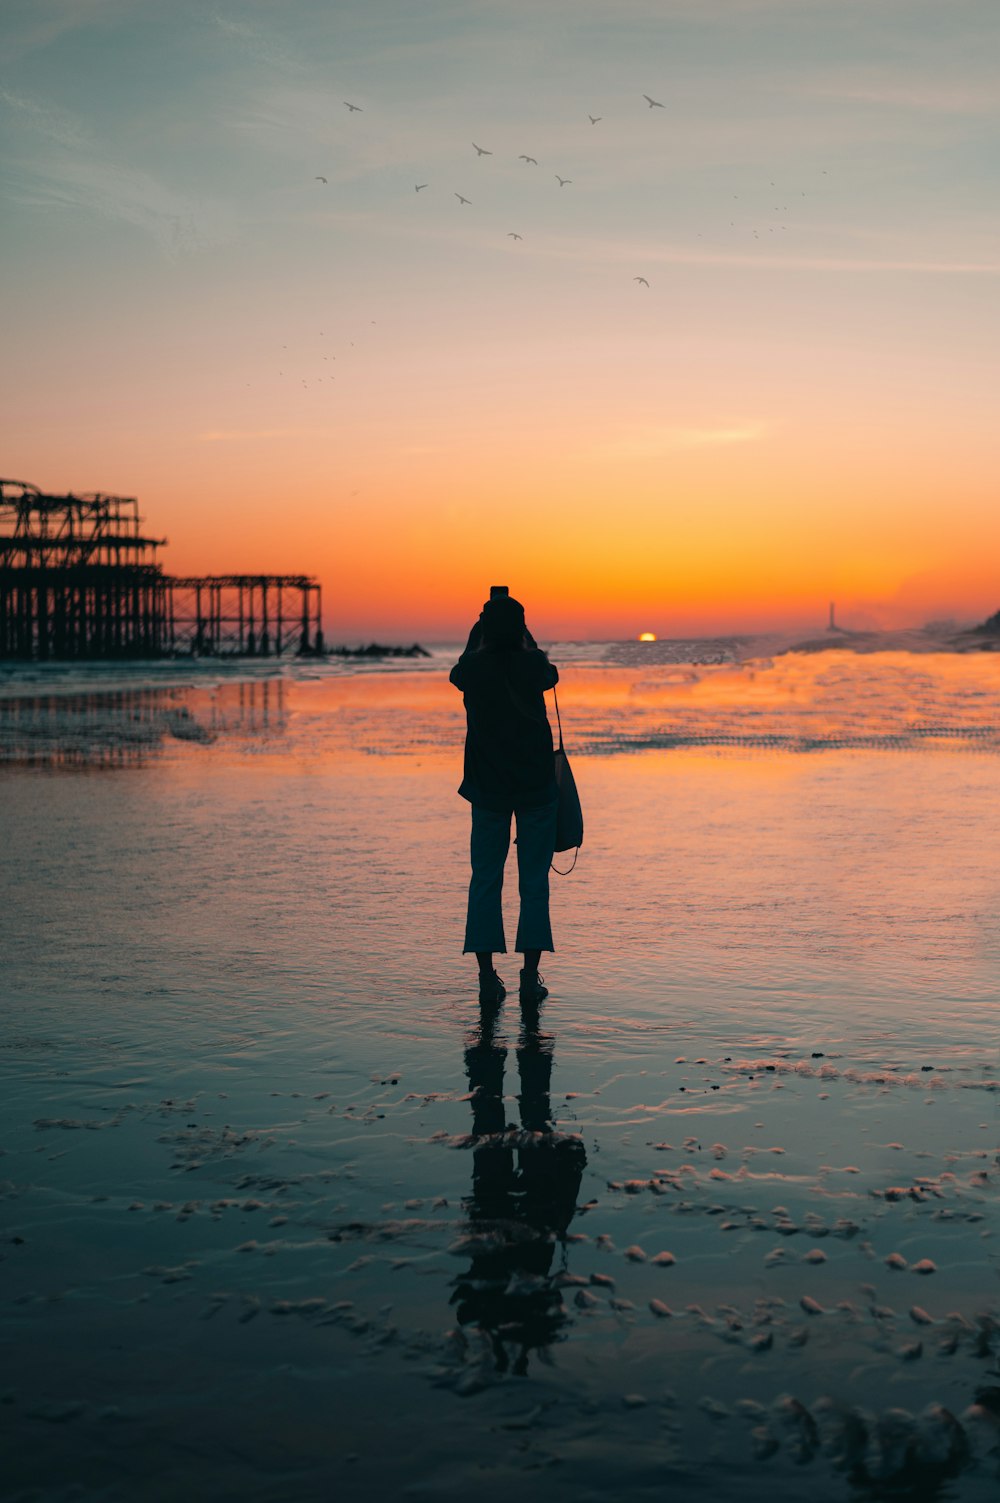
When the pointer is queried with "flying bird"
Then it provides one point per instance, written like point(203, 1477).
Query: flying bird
point(594, 118)
point(532, 160)
point(417, 187)
point(562, 181)
point(653, 103)
point(642, 280)
point(463, 200)
point(481, 151)
point(320, 179)
point(511, 236)
point(355, 108)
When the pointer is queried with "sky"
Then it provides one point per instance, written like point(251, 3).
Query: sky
point(382, 387)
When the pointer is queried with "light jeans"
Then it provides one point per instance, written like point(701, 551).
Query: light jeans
point(536, 838)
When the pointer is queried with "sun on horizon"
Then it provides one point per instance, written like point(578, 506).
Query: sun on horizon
point(647, 636)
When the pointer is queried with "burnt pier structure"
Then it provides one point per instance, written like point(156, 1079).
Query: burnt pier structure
point(79, 578)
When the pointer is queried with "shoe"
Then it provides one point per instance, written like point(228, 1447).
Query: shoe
point(531, 988)
point(491, 988)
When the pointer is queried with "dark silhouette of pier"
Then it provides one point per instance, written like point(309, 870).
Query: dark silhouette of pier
point(80, 579)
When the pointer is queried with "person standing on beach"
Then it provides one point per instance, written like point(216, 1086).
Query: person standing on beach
point(509, 770)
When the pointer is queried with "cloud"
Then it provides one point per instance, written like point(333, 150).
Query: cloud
point(238, 435)
point(639, 255)
point(650, 441)
point(643, 255)
point(40, 118)
point(39, 25)
point(61, 167)
point(119, 194)
point(926, 94)
point(263, 45)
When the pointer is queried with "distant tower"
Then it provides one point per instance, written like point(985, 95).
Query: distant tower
point(832, 624)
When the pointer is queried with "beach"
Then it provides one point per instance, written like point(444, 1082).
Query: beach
point(287, 1217)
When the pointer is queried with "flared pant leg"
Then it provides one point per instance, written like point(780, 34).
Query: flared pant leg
point(489, 847)
point(536, 839)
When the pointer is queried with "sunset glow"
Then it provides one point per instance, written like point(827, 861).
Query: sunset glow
point(740, 363)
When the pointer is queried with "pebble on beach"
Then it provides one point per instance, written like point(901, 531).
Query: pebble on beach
point(765, 1442)
point(714, 1408)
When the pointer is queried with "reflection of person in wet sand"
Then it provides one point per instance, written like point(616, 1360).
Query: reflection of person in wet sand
point(525, 1183)
point(509, 770)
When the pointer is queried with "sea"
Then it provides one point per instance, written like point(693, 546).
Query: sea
point(288, 1216)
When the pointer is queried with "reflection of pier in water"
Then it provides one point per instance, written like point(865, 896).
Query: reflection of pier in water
point(127, 727)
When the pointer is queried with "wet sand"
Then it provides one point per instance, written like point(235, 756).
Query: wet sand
point(286, 1217)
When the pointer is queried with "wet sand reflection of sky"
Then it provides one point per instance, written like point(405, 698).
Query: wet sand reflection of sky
point(722, 1216)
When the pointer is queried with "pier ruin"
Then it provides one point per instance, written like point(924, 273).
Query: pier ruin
point(79, 578)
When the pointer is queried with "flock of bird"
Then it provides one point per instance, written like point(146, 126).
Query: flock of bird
point(529, 161)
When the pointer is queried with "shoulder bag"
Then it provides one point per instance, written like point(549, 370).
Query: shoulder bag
point(569, 812)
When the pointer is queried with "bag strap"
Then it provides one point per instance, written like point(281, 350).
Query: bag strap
point(552, 865)
point(555, 697)
point(524, 711)
point(554, 868)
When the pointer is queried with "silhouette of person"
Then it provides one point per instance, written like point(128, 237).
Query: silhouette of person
point(525, 1185)
point(509, 770)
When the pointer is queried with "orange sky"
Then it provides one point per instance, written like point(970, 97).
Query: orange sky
point(385, 389)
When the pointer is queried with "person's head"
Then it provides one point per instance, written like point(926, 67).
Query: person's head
point(503, 623)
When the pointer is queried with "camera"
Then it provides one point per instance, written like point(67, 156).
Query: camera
point(499, 591)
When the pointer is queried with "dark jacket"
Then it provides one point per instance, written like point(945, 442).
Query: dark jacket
point(508, 744)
